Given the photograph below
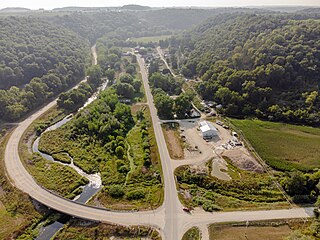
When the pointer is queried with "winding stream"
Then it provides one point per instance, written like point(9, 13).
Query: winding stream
point(89, 190)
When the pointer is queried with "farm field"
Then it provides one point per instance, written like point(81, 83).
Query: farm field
point(252, 232)
point(283, 146)
point(151, 39)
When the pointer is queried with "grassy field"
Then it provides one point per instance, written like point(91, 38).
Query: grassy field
point(283, 146)
point(155, 39)
point(76, 230)
point(270, 230)
point(174, 142)
point(192, 234)
point(61, 179)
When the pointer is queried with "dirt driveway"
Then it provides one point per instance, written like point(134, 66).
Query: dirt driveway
point(198, 151)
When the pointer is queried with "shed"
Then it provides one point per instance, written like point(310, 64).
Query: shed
point(208, 130)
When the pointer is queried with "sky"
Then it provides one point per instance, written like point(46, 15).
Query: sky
point(50, 4)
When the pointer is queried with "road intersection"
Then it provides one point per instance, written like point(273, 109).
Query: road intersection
point(169, 219)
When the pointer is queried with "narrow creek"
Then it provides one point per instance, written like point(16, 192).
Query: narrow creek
point(89, 190)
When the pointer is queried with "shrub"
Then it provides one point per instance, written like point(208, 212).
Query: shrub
point(116, 191)
point(124, 169)
point(136, 194)
point(301, 199)
point(210, 207)
point(120, 152)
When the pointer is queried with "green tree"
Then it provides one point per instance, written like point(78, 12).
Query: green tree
point(116, 191)
point(126, 78)
point(110, 74)
point(295, 183)
point(94, 75)
point(124, 90)
point(182, 105)
point(164, 105)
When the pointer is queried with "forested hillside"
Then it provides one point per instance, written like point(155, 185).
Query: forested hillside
point(114, 24)
point(37, 60)
point(256, 65)
point(182, 19)
point(31, 48)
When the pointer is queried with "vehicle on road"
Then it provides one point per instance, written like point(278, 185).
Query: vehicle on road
point(187, 210)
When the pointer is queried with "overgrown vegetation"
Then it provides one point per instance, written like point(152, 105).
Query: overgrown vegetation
point(105, 137)
point(140, 186)
point(75, 230)
point(16, 209)
point(192, 234)
point(58, 178)
point(251, 190)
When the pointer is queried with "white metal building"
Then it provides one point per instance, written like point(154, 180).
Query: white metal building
point(208, 130)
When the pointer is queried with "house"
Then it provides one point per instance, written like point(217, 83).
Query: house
point(194, 113)
point(208, 130)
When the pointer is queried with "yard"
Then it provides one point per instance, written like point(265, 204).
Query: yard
point(283, 146)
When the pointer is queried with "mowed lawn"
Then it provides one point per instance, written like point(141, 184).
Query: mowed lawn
point(283, 146)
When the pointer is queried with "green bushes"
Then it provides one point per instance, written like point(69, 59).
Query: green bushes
point(192, 234)
point(116, 191)
point(136, 194)
point(56, 177)
point(210, 207)
point(146, 144)
point(214, 194)
point(302, 187)
point(62, 157)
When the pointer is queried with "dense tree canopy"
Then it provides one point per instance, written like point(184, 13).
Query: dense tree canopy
point(37, 61)
point(262, 65)
point(32, 48)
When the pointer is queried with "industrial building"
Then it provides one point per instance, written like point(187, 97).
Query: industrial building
point(208, 130)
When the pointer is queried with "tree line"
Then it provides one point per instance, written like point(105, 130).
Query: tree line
point(255, 65)
point(37, 61)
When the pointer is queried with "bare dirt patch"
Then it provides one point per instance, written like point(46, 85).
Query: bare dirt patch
point(252, 232)
point(173, 140)
point(243, 159)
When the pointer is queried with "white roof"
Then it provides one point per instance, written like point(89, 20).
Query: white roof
point(206, 126)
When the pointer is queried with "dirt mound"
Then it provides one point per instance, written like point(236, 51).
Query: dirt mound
point(243, 160)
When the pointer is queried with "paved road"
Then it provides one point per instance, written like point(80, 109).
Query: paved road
point(169, 218)
point(171, 204)
point(94, 55)
point(160, 52)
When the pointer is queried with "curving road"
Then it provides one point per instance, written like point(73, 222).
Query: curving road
point(170, 219)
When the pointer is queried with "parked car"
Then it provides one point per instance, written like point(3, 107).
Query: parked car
point(186, 209)
point(219, 123)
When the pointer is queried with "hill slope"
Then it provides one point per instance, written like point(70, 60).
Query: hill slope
point(257, 65)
